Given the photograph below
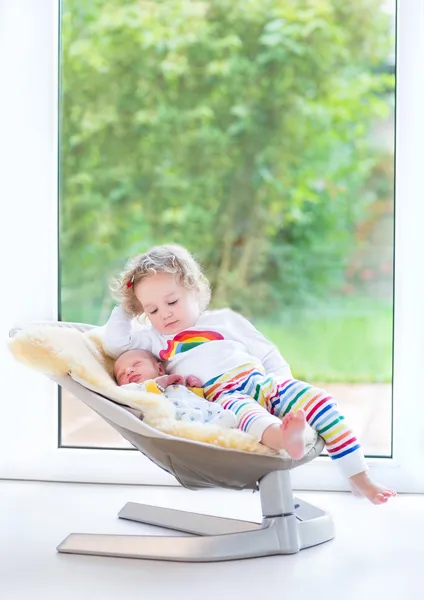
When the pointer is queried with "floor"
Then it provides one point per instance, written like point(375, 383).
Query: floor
point(377, 552)
point(366, 406)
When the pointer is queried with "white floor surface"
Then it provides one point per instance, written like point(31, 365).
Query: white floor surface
point(378, 551)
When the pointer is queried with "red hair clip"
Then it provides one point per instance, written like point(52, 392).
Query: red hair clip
point(130, 283)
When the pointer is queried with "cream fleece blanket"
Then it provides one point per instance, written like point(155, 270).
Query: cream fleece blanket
point(60, 350)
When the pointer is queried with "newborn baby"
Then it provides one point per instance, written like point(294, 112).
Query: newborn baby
point(141, 370)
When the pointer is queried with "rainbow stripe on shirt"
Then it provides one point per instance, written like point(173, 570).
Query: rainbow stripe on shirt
point(186, 340)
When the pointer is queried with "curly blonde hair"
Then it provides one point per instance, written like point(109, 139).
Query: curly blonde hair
point(170, 258)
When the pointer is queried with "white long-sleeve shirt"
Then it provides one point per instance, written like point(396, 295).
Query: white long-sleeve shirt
point(220, 341)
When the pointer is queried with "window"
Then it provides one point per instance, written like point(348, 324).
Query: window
point(101, 197)
point(156, 94)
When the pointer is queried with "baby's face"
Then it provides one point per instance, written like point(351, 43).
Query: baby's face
point(136, 366)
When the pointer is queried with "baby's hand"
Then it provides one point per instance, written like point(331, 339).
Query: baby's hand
point(193, 381)
point(175, 379)
point(166, 380)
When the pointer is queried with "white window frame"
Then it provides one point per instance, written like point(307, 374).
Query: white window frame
point(29, 265)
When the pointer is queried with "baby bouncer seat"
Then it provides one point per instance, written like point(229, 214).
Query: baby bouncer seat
point(69, 354)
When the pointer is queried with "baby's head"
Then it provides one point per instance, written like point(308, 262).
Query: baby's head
point(136, 366)
point(167, 284)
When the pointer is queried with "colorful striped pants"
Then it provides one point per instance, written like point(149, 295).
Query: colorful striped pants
point(259, 400)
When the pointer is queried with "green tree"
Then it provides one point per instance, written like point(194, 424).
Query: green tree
point(239, 128)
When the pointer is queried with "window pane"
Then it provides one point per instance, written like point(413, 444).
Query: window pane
point(259, 135)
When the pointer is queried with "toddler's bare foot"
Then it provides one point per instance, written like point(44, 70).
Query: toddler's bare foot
point(374, 492)
point(287, 436)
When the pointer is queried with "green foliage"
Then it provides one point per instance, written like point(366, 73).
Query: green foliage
point(349, 343)
point(239, 128)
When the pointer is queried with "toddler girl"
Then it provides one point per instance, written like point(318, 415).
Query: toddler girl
point(238, 367)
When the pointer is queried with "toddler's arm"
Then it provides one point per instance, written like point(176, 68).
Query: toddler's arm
point(120, 336)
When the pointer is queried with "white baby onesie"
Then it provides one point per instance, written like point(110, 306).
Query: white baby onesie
point(189, 407)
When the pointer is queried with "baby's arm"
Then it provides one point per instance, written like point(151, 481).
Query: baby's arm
point(120, 336)
point(164, 380)
point(192, 383)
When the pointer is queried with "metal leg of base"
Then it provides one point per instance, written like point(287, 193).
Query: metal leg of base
point(181, 520)
point(276, 536)
point(280, 535)
point(316, 531)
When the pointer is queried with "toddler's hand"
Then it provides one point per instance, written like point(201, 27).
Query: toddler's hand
point(193, 381)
